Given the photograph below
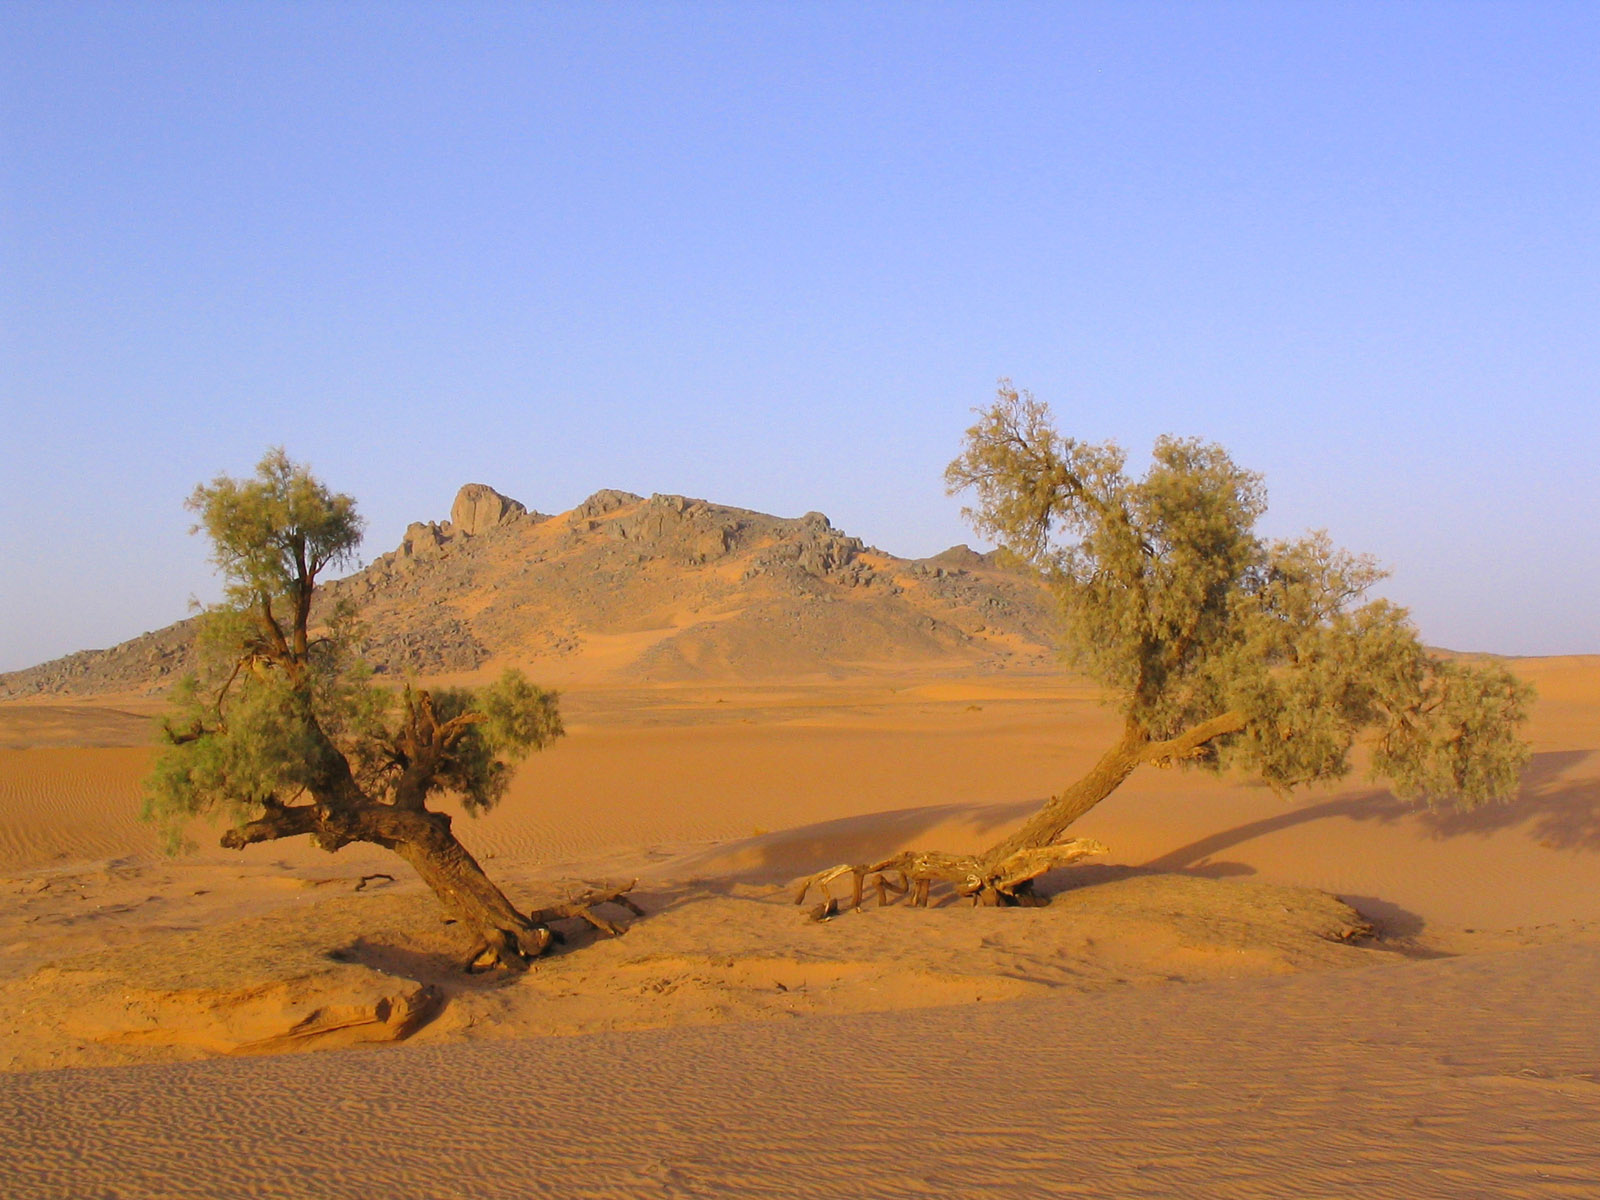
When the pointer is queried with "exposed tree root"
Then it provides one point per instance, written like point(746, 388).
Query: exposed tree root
point(516, 948)
point(583, 907)
point(1003, 881)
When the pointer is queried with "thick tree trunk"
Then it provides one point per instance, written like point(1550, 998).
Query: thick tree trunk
point(503, 936)
point(424, 839)
point(1058, 814)
point(1004, 873)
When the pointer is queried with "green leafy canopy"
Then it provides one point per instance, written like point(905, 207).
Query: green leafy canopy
point(1174, 604)
point(283, 708)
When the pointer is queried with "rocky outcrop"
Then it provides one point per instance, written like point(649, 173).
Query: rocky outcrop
point(151, 662)
point(691, 589)
point(961, 557)
point(604, 501)
point(433, 644)
point(478, 508)
point(422, 538)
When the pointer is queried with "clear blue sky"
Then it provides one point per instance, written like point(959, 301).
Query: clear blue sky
point(773, 255)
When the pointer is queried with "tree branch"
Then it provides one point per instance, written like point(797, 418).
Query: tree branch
point(303, 583)
point(222, 694)
point(1191, 740)
point(279, 822)
point(175, 737)
point(447, 735)
point(269, 624)
point(422, 748)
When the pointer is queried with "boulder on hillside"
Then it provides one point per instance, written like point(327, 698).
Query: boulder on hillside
point(478, 508)
point(422, 537)
point(604, 501)
point(961, 556)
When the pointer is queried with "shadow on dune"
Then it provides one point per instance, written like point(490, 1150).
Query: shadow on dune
point(441, 968)
point(1561, 814)
point(1558, 812)
point(1392, 921)
point(435, 955)
point(790, 853)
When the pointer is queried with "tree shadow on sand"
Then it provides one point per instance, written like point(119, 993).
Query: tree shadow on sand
point(784, 855)
point(1560, 813)
point(434, 955)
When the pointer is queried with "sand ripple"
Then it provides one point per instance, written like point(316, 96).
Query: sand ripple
point(1465, 1077)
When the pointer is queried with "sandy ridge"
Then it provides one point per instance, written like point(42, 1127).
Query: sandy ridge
point(1472, 1075)
point(1444, 1079)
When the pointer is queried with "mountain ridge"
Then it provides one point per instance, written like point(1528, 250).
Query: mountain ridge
point(623, 587)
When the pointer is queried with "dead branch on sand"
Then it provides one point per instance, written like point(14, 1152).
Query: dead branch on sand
point(1003, 881)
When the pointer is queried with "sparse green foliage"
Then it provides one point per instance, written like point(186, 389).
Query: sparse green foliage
point(1192, 622)
point(284, 731)
point(1221, 649)
point(502, 724)
point(274, 533)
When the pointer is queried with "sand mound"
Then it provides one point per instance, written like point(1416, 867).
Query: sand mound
point(324, 1008)
point(1469, 1077)
point(344, 969)
point(263, 985)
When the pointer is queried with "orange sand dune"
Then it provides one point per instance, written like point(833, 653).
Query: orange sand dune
point(787, 779)
point(1465, 1077)
point(1457, 1057)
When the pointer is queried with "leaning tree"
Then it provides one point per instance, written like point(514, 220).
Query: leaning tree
point(283, 730)
point(1219, 649)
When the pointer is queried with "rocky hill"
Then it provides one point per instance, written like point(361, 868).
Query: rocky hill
point(628, 588)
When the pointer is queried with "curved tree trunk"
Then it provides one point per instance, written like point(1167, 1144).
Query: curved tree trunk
point(425, 840)
point(502, 935)
point(1058, 814)
point(1004, 873)
point(342, 813)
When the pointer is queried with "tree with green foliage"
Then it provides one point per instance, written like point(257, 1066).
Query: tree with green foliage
point(284, 732)
point(1221, 650)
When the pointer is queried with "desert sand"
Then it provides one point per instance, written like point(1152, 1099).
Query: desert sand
point(1200, 1012)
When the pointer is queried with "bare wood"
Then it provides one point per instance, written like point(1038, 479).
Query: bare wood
point(995, 882)
point(581, 906)
point(821, 881)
